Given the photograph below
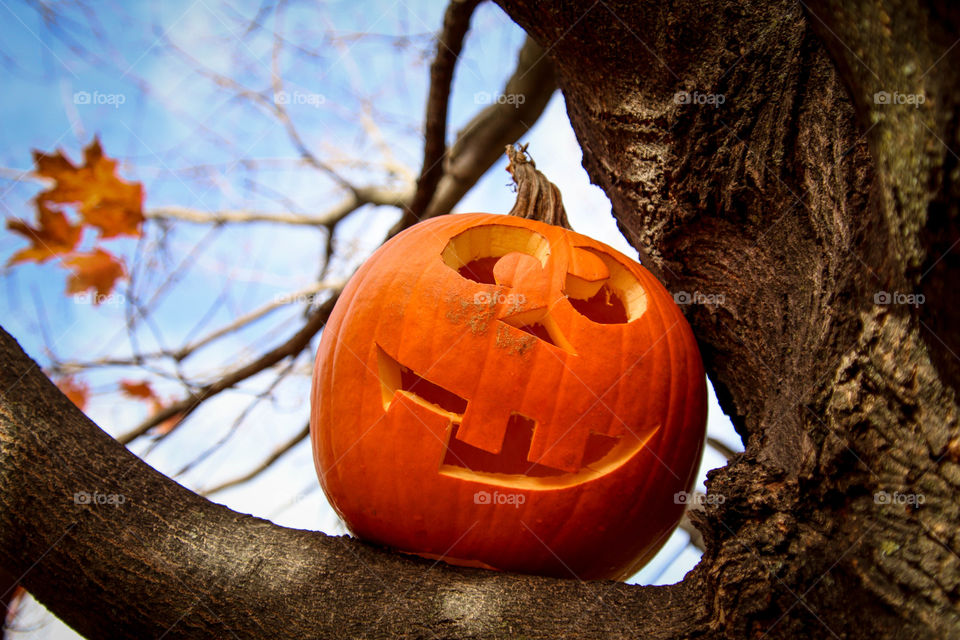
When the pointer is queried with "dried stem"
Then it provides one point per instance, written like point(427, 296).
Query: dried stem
point(537, 197)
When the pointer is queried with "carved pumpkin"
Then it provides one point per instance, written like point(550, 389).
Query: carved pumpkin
point(504, 393)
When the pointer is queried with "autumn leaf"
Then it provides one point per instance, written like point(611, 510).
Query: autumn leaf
point(54, 235)
point(104, 201)
point(140, 390)
point(143, 391)
point(76, 390)
point(99, 270)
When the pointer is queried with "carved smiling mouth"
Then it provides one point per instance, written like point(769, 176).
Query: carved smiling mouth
point(509, 467)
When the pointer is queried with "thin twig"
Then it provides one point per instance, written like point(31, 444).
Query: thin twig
point(293, 346)
point(721, 447)
point(273, 457)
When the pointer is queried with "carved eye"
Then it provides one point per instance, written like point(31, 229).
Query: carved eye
point(474, 252)
point(603, 290)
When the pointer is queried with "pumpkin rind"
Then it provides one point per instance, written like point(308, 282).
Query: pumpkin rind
point(617, 402)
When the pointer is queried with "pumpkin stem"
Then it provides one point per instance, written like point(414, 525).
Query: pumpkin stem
point(537, 197)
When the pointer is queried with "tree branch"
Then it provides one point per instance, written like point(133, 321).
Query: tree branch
point(480, 143)
point(456, 21)
point(293, 346)
point(357, 198)
point(278, 453)
point(115, 549)
point(68, 367)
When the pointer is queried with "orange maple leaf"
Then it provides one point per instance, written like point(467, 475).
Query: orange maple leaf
point(54, 235)
point(105, 201)
point(99, 270)
point(139, 390)
point(76, 390)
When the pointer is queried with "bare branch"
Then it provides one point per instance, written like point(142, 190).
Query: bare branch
point(480, 144)
point(696, 538)
point(456, 21)
point(293, 346)
point(273, 457)
point(721, 447)
point(357, 198)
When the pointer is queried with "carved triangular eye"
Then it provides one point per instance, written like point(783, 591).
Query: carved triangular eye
point(601, 289)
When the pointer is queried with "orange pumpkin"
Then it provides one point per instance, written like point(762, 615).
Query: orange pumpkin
point(504, 393)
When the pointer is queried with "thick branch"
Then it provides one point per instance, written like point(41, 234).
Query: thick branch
point(115, 549)
point(456, 21)
point(480, 143)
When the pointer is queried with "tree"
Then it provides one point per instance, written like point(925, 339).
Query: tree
point(796, 162)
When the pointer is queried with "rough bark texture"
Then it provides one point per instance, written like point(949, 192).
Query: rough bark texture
point(798, 214)
point(751, 165)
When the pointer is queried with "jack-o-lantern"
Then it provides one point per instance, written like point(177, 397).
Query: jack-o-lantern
point(504, 393)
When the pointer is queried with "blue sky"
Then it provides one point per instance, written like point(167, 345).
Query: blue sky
point(150, 74)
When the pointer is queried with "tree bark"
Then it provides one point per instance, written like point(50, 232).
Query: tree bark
point(798, 213)
point(753, 169)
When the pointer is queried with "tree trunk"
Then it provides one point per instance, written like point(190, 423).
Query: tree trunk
point(748, 160)
point(755, 171)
